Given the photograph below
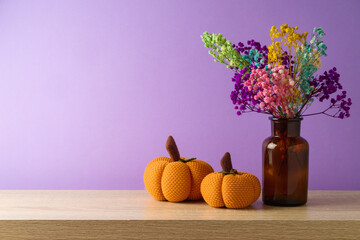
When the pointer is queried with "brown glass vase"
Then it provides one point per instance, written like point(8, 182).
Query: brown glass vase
point(285, 164)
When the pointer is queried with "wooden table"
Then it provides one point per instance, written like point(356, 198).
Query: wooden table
point(135, 215)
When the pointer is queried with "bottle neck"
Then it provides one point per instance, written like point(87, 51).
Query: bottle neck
point(285, 127)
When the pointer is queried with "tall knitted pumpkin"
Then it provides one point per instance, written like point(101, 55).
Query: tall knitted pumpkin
point(176, 178)
point(229, 188)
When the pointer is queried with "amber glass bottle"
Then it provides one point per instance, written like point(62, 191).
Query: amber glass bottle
point(285, 164)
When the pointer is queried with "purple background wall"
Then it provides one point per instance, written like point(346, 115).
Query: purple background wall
point(90, 90)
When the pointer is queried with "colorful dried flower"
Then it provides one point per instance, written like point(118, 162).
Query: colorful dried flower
point(279, 80)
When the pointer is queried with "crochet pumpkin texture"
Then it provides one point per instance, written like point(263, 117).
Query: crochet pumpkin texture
point(175, 178)
point(230, 188)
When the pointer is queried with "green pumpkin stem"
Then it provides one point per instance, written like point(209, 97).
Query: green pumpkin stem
point(172, 149)
point(187, 160)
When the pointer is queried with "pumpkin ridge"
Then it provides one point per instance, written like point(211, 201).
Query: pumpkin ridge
point(237, 191)
point(176, 182)
point(198, 171)
point(211, 189)
point(256, 184)
point(152, 178)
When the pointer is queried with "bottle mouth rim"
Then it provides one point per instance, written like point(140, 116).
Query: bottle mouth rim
point(285, 119)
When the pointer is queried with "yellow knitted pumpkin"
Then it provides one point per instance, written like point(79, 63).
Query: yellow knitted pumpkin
point(176, 178)
point(230, 188)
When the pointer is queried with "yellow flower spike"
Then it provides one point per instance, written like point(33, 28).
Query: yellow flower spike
point(289, 38)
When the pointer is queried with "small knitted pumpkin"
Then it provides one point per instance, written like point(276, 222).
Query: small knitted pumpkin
point(176, 178)
point(230, 188)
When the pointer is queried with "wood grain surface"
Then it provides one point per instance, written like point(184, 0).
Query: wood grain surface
point(135, 215)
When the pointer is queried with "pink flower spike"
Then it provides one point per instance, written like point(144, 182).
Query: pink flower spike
point(262, 104)
point(267, 100)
